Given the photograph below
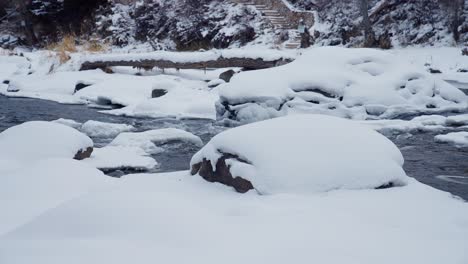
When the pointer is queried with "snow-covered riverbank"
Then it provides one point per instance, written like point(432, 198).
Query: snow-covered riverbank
point(57, 209)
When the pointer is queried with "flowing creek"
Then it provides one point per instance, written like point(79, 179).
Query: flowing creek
point(442, 166)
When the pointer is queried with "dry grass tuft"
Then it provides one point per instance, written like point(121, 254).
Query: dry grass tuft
point(64, 47)
point(96, 46)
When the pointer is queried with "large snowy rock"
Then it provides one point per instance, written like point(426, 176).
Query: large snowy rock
point(39, 140)
point(351, 83)
point(301, 154)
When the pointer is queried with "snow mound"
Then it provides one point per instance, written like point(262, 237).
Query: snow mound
point(149, 141)
point(102, 129)
point(180, 99)
point(57, 86)
point(68, 122)
point(155, 216)
point(351, 83)
point(305, 154)
point(458, 120)
point(38, 140)
point(459, 139)
point(12, 65)
point(31, 190)
point(118, 157)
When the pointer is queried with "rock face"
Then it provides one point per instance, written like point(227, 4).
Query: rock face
point(222, 173)
point(83, 154)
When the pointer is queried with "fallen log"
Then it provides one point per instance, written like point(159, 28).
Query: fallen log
point(247, 63)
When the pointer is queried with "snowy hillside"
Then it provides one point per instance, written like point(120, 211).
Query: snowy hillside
point(205, 24)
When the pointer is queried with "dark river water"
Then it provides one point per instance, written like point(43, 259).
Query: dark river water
point(442, 166)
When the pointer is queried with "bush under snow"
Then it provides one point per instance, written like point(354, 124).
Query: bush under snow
point(303, 154)
point(351, 83)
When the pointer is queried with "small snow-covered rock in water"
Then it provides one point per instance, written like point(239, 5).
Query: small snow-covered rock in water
point(351, 83)
point(149, 141)
point(459, 139)
point(105, 130)
point(301, 154)
point(39, 140)
point(68, 122)
point(457, 120)
point(118, 157)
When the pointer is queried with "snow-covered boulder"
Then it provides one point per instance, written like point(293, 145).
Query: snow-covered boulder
point(39, 140)
point(102, 129)
point(351, 83)
point(300, 154)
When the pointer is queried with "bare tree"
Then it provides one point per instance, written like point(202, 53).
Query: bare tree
point(456, 8)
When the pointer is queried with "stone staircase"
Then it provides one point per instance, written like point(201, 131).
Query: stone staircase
point(281, 17)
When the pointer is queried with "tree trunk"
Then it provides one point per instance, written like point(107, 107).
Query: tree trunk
point(369, 37)
point(26, 21)
point(456, 9)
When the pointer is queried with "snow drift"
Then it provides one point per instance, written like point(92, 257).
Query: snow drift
point(351, 83)
point(302, 154)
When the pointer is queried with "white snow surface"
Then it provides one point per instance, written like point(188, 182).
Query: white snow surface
point(39, 140)
point(42, 185)
point(171, 218)
point(119, 157)
point(94, 128)
point(57, 86)
point(307, 154)
point(459, 139)
point(184, 98)
point(148, 141)
point(352, 83)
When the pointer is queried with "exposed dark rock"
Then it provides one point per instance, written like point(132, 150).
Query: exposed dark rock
point(6, 82)
point(108, 103)
point(83, 154)
point(158, 93)
point(80, 86)
point(465, 52)
point(227, 75)
point(462, 70)
point(434, 71)
point(222, 174)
